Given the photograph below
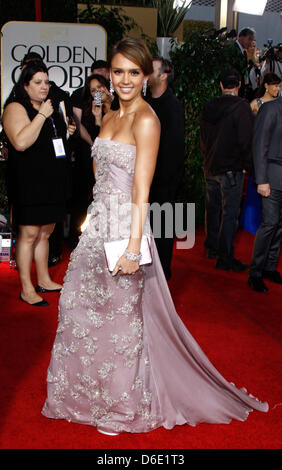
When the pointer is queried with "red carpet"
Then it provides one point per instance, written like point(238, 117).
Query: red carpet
point(239, 329)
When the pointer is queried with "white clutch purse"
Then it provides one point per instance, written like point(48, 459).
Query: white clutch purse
point(114, 250)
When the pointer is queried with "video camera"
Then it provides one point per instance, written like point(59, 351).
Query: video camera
point(270, 51)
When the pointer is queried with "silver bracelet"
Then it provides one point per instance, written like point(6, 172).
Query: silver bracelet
point(42, 114)
point(132, 256)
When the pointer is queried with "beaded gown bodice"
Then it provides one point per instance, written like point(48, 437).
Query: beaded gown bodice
point(115, 162)
point(110, 212)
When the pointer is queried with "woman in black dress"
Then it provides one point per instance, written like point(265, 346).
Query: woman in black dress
point(38, 175)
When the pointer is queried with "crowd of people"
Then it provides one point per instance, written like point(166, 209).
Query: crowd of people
point(242, 96)
point(235, 142)
point(84, 115)
point(257, 63)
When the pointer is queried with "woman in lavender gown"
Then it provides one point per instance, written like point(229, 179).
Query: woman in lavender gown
point(123, 360)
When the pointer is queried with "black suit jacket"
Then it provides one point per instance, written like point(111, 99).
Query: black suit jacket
point(243, 56)
point(171, 153)
point(267, 144)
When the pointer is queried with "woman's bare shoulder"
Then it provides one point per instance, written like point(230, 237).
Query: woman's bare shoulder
point(15, 106)
point(146, 116)
point(15, 110)
point(15, 113)
point(146, 126)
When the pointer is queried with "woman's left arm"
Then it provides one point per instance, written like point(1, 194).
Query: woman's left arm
point(147, 136)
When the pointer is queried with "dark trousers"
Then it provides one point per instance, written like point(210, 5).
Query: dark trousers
point(165, 251)
point(164, 243)
point(269, 235)
point(222, 212)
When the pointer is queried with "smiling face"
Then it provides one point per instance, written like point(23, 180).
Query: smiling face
point(273, 90)
point(38, 87)
point(127, 77)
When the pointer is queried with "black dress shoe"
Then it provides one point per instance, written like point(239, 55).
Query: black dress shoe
point(238, 266)
point(221, 264)
point(257, 284)
point(273, 276)
point(42, 303)
point(42, 289)
point(211, 254)
point(231, 265)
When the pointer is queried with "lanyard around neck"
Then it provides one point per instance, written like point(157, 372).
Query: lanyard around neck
point(54, 127)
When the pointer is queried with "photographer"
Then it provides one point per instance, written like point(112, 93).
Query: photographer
point(272, 61)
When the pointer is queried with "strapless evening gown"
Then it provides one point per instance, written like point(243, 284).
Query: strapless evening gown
point(122, 358)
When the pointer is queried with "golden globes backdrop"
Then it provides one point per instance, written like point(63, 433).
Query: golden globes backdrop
point(67, 49)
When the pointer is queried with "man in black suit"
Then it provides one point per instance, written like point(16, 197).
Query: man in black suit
point(267, 154)
point(170, 160)
point(245, 38)
point(226, 141)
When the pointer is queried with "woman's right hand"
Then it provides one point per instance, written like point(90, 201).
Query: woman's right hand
point(97, 113)
point(46, 108)
point(125, 266)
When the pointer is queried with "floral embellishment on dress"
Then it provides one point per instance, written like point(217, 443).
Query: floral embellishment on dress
point(106, 369)
point(79, 331)
point(95, 318)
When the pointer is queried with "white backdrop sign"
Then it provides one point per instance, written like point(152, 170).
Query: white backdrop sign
point(67, 49)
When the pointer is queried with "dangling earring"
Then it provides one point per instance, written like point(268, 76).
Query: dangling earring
point(111, 87)
point(144, 87)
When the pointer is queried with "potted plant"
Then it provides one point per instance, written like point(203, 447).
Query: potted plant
point(170, 16)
